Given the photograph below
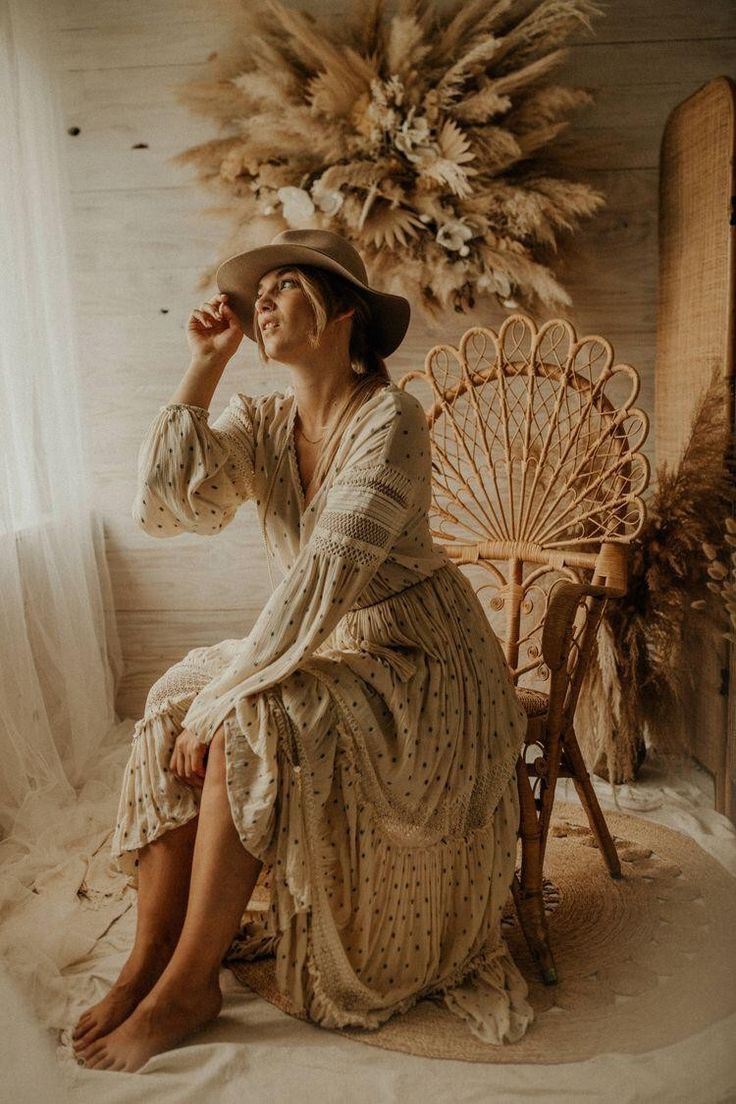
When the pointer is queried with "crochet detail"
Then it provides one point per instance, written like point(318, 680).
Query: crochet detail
point(184, 680)
point(470, 812)
point(332, 546)
point(365, 510)
point(241, 475)
point(358, 527)
point(381, 478)
point(191, 407)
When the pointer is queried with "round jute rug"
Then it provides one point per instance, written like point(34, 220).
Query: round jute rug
point(643, 961)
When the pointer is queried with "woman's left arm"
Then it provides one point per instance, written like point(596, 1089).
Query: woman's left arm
point(366, 508)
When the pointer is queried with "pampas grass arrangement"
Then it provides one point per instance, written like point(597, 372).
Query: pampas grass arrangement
point(418, 137)
point(641, 673)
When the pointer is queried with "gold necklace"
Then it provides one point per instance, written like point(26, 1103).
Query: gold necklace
point(315, 442)
point(318, 439)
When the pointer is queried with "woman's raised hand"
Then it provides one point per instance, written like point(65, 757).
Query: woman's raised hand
point(213, 330)
point(187, 761)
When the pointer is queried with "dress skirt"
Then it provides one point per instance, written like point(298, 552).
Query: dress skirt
point(377, 783)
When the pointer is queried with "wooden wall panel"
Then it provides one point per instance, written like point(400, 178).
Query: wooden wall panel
point(140, 240)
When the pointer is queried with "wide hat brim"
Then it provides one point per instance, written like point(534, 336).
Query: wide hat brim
point(238, 277)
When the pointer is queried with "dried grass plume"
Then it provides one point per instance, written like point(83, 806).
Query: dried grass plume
point(641, 676)
point(417, 136)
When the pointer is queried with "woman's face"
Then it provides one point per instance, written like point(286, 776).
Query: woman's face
point(283, 315)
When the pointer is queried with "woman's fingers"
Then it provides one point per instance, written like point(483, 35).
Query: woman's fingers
point(178, 764)
point(205, 318)
point(214, 327)
point(175, 765)
point(187, 761)
point(193, 764)
point(210, 311)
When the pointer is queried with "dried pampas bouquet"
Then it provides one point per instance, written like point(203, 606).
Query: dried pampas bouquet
point(642, 674)
point(417, 137)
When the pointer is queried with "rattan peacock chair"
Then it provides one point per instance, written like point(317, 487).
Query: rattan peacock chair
point(537, 481)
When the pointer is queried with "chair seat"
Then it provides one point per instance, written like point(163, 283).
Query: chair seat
point(535, 703)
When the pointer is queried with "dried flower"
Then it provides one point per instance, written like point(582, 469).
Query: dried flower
point(396, 131)
point(413, 133)
point(298, 206)
point(329, 200)
point(453, 234)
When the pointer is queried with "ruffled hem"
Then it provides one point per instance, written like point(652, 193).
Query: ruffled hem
point(152, 800)
point(493, 999)
point(489, 993)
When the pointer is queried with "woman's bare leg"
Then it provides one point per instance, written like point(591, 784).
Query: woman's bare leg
point(187, 994)
point(164, 872)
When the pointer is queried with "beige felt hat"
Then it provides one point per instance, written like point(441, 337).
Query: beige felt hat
point(238, 277)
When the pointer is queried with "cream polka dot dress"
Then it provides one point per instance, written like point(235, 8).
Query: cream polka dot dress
point(371, 726)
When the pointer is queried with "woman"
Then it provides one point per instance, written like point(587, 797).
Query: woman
point(361, 740)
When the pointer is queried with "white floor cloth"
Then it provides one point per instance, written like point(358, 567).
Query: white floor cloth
point(63, 950)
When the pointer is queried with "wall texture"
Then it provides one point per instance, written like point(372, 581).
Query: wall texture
point(140, 241)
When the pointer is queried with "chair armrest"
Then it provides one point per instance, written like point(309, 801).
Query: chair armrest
point(564, 598)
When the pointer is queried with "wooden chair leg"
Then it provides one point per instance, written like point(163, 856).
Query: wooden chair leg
point(586, 793)
point(527, 887)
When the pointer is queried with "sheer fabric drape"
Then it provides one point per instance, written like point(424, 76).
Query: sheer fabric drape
point(59, 653)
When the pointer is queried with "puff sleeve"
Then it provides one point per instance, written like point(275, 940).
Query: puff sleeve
point(192, 476)
point(366, 507)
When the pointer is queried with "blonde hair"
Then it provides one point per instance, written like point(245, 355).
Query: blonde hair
point(329, 295)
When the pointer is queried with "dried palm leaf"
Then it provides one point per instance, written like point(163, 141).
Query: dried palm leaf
point(355, 174)
point(388, 227)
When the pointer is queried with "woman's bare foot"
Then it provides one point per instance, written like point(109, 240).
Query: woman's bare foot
point(162, 1019)
point(137, 978)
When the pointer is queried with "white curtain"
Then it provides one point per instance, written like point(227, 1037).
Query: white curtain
point(59, 651)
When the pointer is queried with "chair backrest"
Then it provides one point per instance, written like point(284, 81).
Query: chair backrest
point(536, 468)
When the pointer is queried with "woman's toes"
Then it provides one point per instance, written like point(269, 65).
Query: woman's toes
point(90, 1033)
point(81, 1026)
point(84, 1023)
point(90, 1050)
point(96, 1060)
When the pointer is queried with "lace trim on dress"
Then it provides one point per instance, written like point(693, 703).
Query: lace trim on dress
point(240, 469)
point(365, 509)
